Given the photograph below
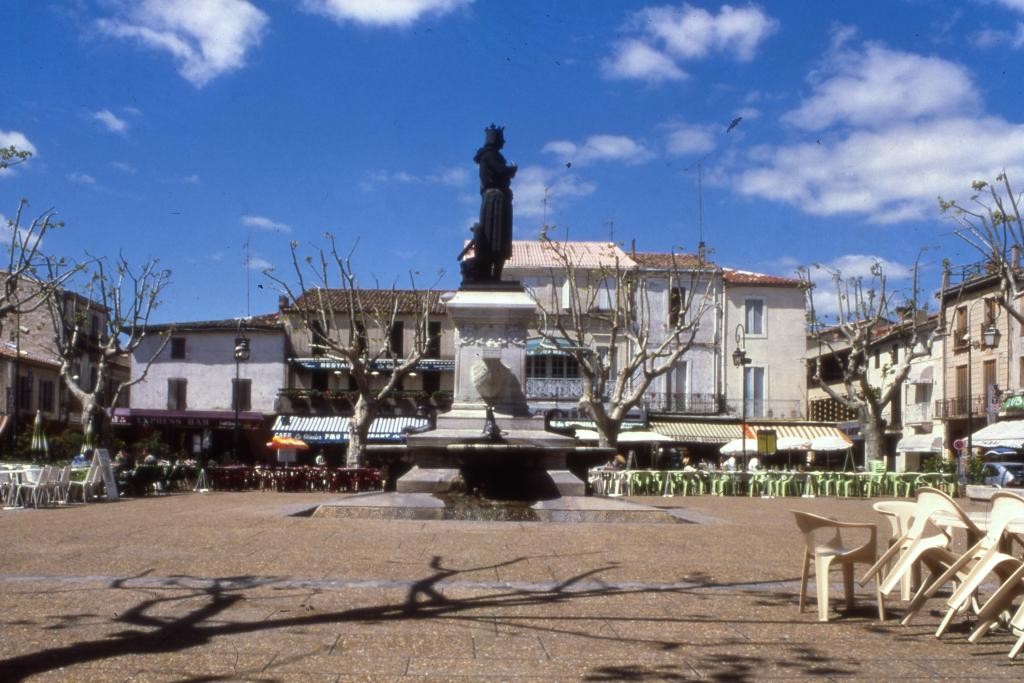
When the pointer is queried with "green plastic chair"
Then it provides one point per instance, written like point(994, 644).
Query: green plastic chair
point(758, 484)
point(639, 482)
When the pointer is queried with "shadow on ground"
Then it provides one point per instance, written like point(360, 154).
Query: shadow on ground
point(206, 600)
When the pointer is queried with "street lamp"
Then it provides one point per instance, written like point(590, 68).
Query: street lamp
point(740, 360)
point(242, 353)
point(989, 339)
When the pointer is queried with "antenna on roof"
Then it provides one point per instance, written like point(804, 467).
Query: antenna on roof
point(700, 200)
point(611, 231)
point(248, 281)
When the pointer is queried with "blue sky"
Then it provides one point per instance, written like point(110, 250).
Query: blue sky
point(184, 128)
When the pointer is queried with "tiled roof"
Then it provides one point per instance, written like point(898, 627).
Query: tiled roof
point(267, 321)
point(538, 254)
point(374, 299)
point(29, 357)
point(746, 277)
point(669, 261)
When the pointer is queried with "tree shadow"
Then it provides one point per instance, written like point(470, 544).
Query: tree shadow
point(145, 630)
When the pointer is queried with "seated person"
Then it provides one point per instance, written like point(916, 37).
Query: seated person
point(754, 464)
point(730, 464)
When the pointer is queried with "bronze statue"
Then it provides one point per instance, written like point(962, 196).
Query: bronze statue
point(492, 236)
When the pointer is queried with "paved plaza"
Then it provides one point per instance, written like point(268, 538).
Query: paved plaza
point(237, 586)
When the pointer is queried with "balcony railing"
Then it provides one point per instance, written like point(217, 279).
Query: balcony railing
point(694, 404)
point(299, 400)
point(917, 413)
point(766, 407)
point(957, 407)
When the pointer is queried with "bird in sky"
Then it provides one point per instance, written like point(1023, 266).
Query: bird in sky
point(735, 122)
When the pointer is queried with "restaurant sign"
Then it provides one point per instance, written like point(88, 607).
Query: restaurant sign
point(1014, 403)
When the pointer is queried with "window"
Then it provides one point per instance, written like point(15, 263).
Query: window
point(25, 393)
point(896, 408)
point(988, 376)
point(94, 328)
point(397, 338)
point(557, 364)
point(960, 336)
point(177, 394)
point(46, 396)
point(677, 307)
point(241, 394)
point(535, 366)
point(357, 336)
point(178, 348)
point(878, 359)
point(431, 382)
point(754, 380)
point(317, 338)
point(754, 316)
point(321, 380)
point(434, 340)
point(961, 382)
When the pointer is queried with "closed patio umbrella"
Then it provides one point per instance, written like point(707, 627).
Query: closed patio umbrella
point(39, 444)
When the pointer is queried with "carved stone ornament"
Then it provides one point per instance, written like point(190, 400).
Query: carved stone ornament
point(489, 336)
point(489, 376)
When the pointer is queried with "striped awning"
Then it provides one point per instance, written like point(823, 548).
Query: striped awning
point(698, 432)
point(807, 432)
point(333, 429)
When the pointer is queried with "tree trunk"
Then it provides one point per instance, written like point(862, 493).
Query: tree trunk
point(872, 429)
point(608, 428)
point(358, 431)
point(89, 410)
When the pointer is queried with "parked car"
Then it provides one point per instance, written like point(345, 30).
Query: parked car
point(1004, 474)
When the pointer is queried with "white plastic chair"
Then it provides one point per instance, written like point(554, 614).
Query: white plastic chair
point(833, 552)
point(87, 485)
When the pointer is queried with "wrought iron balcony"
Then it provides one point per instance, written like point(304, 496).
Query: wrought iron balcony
point(952, 408)
point(693, 404)
point(771, 408)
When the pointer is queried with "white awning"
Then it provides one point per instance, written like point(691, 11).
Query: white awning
point(920, 443)
point(334, 429)
point(1009, 433)
point(921, 373)
point(636, 436)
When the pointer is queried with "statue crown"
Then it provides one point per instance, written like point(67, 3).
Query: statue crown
point(496, 129)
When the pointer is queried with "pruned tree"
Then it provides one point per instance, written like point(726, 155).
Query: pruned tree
point(606, 318)
point(102, 320)
point(29, 278)
point(866, 320)
point(357, 327)
point(991, 223)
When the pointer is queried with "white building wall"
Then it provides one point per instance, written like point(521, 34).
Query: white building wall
point(781, 349)
point(209, 368)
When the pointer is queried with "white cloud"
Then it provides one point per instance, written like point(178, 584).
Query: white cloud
point(258, 263)
point(264, 223)
point(661, 35)
point(1017, 5)
point(111, 121)
point(692, 32)
point(636, 59)
point(193, 179)
point(849, 267)
point(888, 175)
point(897, 129)
point(878, 86)
point(989, 38)
point(207, 38)
point(600, 148)
point(81, 178)
point(685, 140)
point(530, 184)
point(452, 177)
point(378, 13)
point(124, 167)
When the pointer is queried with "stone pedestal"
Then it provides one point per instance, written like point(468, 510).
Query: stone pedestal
point(491, 327)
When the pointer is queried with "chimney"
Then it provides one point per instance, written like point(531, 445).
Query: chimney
point(632, 248)
point(282, 302)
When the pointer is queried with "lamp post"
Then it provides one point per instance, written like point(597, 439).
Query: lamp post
point(242, 353)
point(740, 360)
point(989, 339)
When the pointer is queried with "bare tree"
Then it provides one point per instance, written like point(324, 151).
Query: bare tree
point(28, 277)
point(357, 327)
point(991, 223)
point(604, 317)
point(864, 322)
point(99, 322)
